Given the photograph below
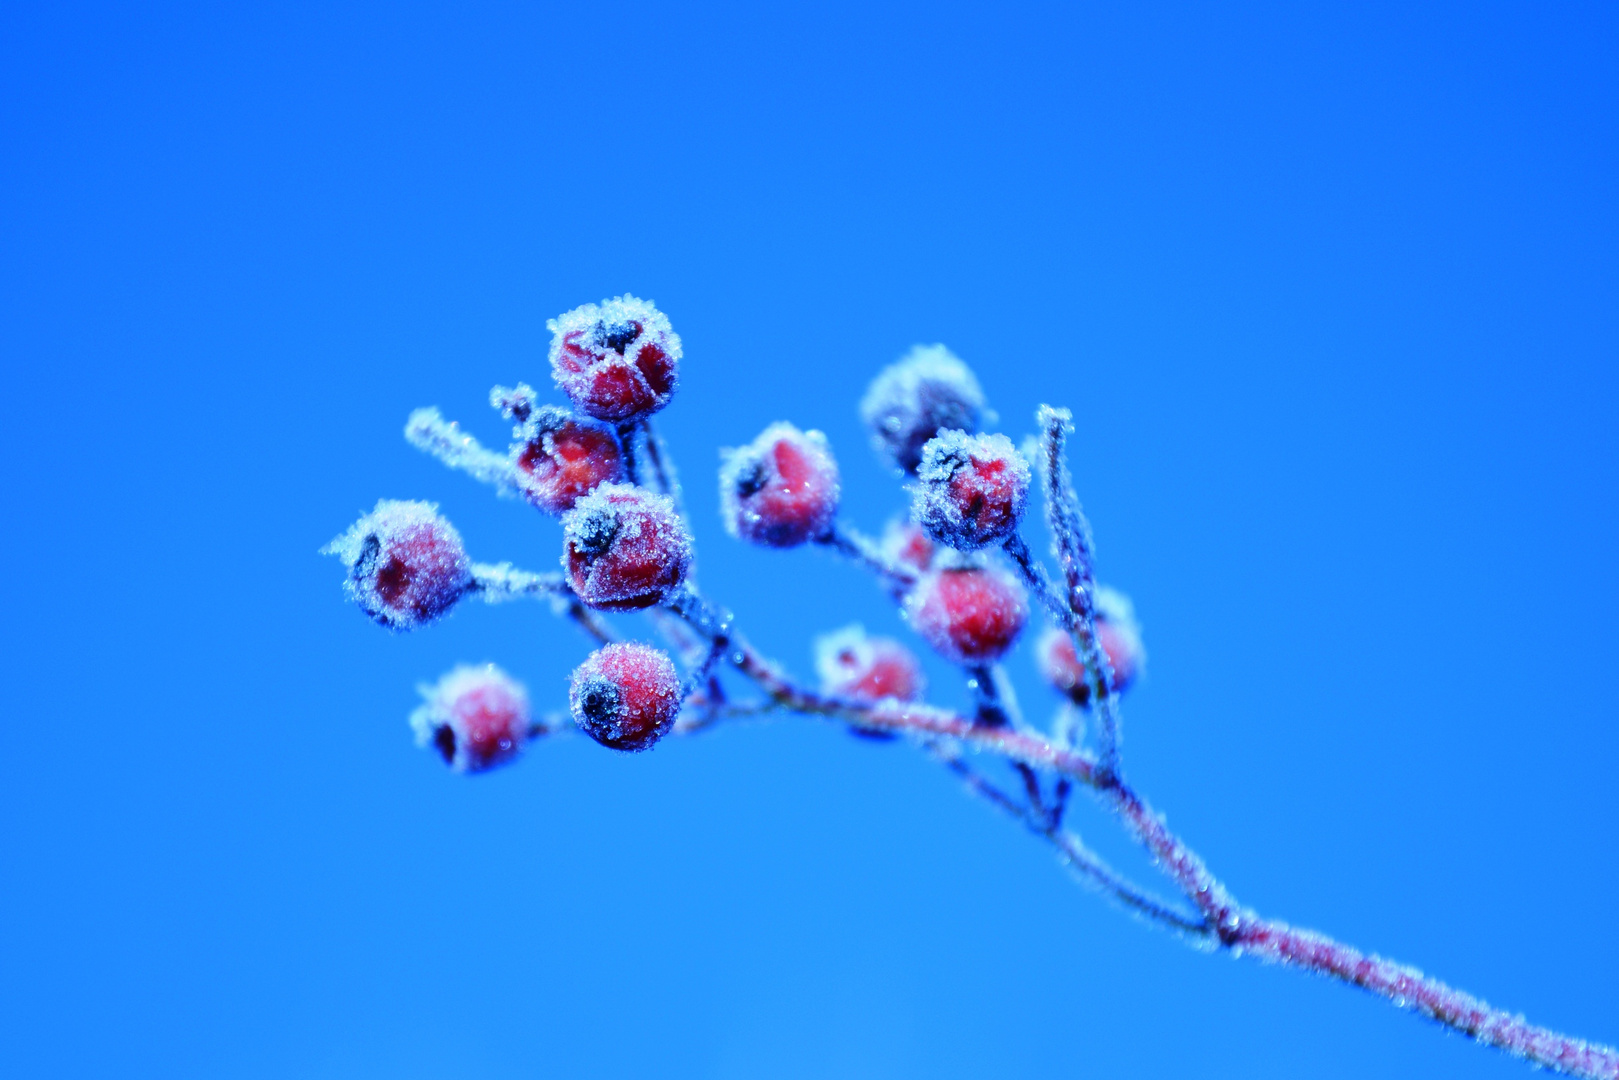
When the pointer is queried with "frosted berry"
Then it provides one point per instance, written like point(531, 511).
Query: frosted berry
point(971, 490)
point(564, 457)
point(624, 548)
point(911, 401)
point(781, 489)
point(905, 544)
point(625, 696)
point(971, 614)
point(475, 717)
point(407, 566)
point(1119, 637)
point(617, 360)
point(853, 665)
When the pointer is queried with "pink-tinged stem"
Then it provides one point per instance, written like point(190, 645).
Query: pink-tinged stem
point(1236, 928)
point(1408, 988)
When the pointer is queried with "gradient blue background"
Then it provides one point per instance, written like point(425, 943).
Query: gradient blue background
point(1335, 293)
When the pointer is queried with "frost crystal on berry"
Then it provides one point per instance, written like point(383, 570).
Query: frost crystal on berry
point(1119, 635)
point(564, 457)
point(617, 360)
point(854, 665)
point(780, 490)
point(970, 614)
point(971, 490)
point(930, 390)
point(625, 696)
point(407, 566)
point(475, 717)
point(624, 548)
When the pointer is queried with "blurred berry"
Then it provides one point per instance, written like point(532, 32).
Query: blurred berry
point(971, 490)
point(971, 614)
point(624, 548)
point(475, 717)
point(905, 544)
point(1118, 635)
point(407, 566)
point(625, 696)
point(911, 401)
point(617, 360)
point(854, 665)
point(566, 457)
point(781, 489)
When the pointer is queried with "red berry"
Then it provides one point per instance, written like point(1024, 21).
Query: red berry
point(407, 565)
point(907, 545)
point(930, 390)
point(565, 457)
point(475, 717)
point(1119, 637)
point(625, 696)
point(617, 360)
point(971, 614)
point(781, 489)
point(869, 669)
point(971, 490)
point(624, 548)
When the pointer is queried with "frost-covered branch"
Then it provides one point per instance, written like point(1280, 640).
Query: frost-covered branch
point(628, 550)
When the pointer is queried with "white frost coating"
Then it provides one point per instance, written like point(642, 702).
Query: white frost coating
point(840, 652)
point(407, 565)
point(760, 505)
point(486, 711)
point(986, 505)
point(620, 309)
point(595, 339)
point(497, 582)
point(428, 430)
point(928, 390)
point(623, 544)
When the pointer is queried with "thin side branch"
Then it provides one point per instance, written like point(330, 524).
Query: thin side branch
point(1072, 536)
point(499, 582)
point(864, 551)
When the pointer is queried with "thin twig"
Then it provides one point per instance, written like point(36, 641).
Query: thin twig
point(499, 582)
point(1072, 536)
point(861, 549)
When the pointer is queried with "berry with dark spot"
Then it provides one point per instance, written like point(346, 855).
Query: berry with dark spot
point(780, 490)
point(618, 360)
point(971, 490)
point(859, 667)
point(624, 548)
point(564, 457)
point(407, 565)
point(475, 717)
point(928, 391)
point(625, 696)
point(970, 614)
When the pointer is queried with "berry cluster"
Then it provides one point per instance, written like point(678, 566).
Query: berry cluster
point(627, 547)
point(959, 571)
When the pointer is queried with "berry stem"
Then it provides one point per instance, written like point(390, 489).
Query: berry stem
point(1084, 862)
point(663, 466)
point(1072, 535)
point(628, 435)
point(1231, 927)
point(428, 431)
point(498, 582)
point(864, 551)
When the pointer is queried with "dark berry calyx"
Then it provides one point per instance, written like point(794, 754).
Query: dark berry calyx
point(616, 336)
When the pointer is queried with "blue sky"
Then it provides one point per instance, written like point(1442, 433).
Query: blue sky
point(1333, 291)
